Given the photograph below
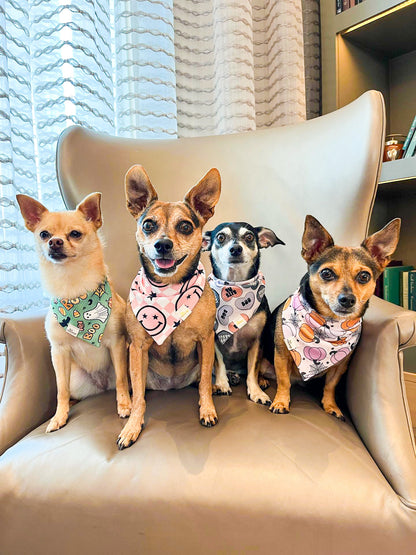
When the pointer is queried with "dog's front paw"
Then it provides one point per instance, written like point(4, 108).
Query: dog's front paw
point(259, 397)
point(128, 435)
point(221, 389)
point(56, 423)
point(208, 417)
point(233, 378)
point(263, 383)
point(334, 410)
point(124, 408)
point(279, 407)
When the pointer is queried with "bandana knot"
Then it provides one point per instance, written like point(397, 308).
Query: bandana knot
point(86, 316)
point(236, 302)
point(316, 343)
point(160, 308)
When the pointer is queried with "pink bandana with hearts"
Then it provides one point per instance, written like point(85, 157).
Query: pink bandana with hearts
point(237, 302)
point(316, 343)
point(161, 308)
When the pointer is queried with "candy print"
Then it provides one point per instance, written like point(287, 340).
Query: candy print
point(231, 292)
point(236, 305)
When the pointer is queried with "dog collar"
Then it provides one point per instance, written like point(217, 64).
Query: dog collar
point(161, 308)
point(86, 316)
point(316, 343)
point(236, 302)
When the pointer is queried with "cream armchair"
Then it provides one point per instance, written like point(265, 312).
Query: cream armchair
point(256, 482)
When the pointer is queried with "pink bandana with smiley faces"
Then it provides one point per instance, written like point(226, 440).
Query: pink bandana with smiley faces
point(316, 343)
point(237, 302)
point(161, 308)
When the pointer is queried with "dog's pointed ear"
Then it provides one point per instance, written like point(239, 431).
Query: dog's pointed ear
point(205, 195)
point(206, 241)
point(382, 244)
point(267, 237)
point(315, 239)
point(90, 208)
point(139, 190)
point(32, 211)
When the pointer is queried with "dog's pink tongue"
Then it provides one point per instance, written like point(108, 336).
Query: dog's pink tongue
point(165, 263)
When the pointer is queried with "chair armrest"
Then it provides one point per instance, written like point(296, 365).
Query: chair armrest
point(376, 394)
point(29, 394)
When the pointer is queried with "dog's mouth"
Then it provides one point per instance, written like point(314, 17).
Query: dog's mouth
point(57, 255)
point(167, 265)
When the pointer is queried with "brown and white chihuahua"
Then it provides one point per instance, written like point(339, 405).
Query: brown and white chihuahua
point(317, 328)
point(74, 275)
point(169, 239)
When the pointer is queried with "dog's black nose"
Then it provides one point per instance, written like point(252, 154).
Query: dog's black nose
point(347, 300)
point(236, 250)
point(55, 243)
point(163, 246)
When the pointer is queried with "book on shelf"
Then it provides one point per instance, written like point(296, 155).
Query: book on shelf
point(392, 283)
point(379, 283)
point(411, 148)
point(409, 136)
point(338, 6)
point(408, 289)
point(342, 5)
point(345, 5)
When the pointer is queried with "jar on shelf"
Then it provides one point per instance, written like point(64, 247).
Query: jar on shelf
point(393, 147)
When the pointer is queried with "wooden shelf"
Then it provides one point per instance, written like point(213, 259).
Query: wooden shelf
point(391, 36)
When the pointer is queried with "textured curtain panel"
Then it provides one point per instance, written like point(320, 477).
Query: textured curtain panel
point(137, 68)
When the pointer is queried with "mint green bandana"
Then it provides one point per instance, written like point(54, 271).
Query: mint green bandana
point(86, 316)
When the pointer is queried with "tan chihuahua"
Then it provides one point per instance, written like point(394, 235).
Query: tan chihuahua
point(318, 327)
point(171, 311)
point(85, 323)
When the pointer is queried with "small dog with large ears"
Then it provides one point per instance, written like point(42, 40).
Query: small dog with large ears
point(317, 328)
point(171, 310)
point(242, 307)
point(85, 323)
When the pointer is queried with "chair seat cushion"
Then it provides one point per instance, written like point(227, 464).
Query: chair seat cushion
point(301, 482)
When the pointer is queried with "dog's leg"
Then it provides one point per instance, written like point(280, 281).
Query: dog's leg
point(254, 391)
point(222, 385)
point(331, 381)
point(281, 401)
point(118, 354)
point(61, 359)
point(206, 354)
point(139, 361)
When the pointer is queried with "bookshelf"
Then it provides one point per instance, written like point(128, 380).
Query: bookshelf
point(373, 46)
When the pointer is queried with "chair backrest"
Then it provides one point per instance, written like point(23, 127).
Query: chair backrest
point(327, 167)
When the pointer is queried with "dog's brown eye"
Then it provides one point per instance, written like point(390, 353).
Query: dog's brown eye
point(249, 237)
point(149, 226)
point(363, 277)
point(75, 234)
point(327, 274)
point(44, 235)
point(185, 227)
point(220, 237)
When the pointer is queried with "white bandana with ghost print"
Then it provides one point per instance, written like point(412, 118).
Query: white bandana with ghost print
point(237, 302)
point(316, 343)
point(161, 308)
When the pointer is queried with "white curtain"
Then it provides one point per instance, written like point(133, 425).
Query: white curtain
point(137, 68)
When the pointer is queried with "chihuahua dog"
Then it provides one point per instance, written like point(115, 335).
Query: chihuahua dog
point(171, 310)
point(85, 323)
point(318, 327)
point(242, 308)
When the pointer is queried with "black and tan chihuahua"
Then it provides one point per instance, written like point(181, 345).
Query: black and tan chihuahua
point(242, 308)
point(317, 328)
